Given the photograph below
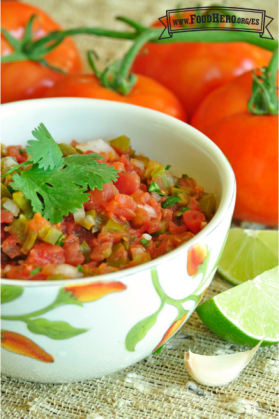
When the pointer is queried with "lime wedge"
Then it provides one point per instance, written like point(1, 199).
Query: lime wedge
point(248, 253)
point(247, 313)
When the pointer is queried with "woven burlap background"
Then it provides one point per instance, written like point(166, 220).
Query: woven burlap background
point(159, 386)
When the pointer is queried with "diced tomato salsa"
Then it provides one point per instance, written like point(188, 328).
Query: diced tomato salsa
point(145, 214)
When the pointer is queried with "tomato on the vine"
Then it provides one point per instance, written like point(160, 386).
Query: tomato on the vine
point(191, 70)
point(146, 92)
point(27, 79)
point(250, 142)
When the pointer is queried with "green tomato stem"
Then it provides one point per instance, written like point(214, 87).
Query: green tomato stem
point(264, 99)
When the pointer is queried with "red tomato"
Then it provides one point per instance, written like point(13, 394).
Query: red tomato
point(100, 199)
point(6, 216)
point(10, 247)
point(146, 92)
point(29, 79)
point(193, 220)
point(127, 183)
point(123, 206)
point(191, 70)
point(250, 142)
point(72, 254)
point(17, 152)
point(45, 253)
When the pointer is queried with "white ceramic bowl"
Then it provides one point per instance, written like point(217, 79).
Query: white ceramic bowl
point(102, 324)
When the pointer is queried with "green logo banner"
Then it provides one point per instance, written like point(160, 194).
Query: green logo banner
point(217, 18)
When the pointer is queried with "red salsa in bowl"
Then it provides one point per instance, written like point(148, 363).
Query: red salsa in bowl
point(137, 211)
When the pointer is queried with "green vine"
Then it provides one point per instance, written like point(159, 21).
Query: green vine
point(139, 331)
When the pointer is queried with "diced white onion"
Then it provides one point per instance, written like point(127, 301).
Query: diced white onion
point(79, 215)
point(97, 146)
point(138, 163)
point(156, 196)
point(68, 271)
point(89, 220)
point(11, 206)
point(151, 211)
point(147, 236)
point(9, 162)
point(170, 179)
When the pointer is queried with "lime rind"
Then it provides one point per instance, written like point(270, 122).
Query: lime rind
point(246, 314)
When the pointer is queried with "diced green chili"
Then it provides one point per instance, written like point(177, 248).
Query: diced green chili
point(67, 149)
point(19, 228)
point(208, 205)
point(113, 227)
point(29, 242)
point(118, 256)
point(24, 204)
point(121, 144)
point(5, 193)
point(85, 250)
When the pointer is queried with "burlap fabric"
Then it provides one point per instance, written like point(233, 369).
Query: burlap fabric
point(159, 386)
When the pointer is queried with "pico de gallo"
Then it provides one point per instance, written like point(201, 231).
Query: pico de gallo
point(143, 214)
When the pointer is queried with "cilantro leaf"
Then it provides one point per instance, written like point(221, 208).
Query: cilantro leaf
point(57, 186)
point(171, 201)
point(52, 193)
point(93, 174)
point(35, 271)
point(144, 242)
point(168, 167)
point(44, 151)
point(182, 211)
point(154, 187)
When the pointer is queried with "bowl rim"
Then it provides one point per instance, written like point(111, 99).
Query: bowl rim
point(228, 178)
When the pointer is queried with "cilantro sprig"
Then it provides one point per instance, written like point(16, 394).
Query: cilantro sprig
point(57, 185)
point(171, 201)
point(154, 187)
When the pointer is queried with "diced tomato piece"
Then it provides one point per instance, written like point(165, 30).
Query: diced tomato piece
point(123, 206)
point(144, 198)
point(18, 272)
point(3, 233)
point(175, 229)
point(10, 247)
point(101, 252)
point(167, 215)
point(139, 255)
point(100, 199)
point(127, 183)
point(143, 187)
point(155, 225)
point(128, 165)
point(45, 253)
point(104, 268)
point(71, 238)
point(38, 222)
point(110, 237)
point(119, 166)
point(6, 216)
point(103, 160)
point(141, 219)
point(193, 220)
point(13, 151)
point(73, 256)
point(193, 204)
point(199, 190)
point(188, 182)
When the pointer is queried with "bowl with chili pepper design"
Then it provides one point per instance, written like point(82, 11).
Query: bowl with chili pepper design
point(113, 221)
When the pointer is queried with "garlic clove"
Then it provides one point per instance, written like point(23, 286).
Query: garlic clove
point(217, 370)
